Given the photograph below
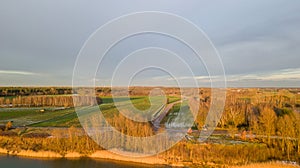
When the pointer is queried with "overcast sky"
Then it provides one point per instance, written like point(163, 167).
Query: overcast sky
point(258, 41)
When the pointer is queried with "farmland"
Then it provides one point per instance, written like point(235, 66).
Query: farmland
point(261, 123)
point(66, 117)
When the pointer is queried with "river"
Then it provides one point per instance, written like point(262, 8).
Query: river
point(16, 162)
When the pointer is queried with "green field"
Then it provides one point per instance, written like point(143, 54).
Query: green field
point(9, 113)
point(58, 117)
point(29, 116)
point(179, 115)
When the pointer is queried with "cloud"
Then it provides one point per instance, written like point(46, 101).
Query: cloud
point(257, 42)
point(280, 75)
point(288, 76)
point(13, 72)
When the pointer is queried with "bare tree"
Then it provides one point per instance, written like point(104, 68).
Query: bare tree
point(267, 120)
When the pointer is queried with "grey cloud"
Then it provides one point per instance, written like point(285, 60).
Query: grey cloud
point(253, 37)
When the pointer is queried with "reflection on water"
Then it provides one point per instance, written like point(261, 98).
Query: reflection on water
point(16, 162)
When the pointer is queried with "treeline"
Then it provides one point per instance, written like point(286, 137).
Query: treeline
point(220, 155)
point(100, 91)
point(208, 155)
point(269, 117)
point(27, 91)
point(133, 90)
point(48, 101)
point(61, 141)
point(244, 110)
point(129, 127)
point(279, 130)
point(126, 130)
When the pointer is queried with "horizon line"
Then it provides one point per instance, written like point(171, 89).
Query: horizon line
point(70, 86)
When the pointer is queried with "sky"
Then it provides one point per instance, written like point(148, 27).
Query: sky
point(257, 41)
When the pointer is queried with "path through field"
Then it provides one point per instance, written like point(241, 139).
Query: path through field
point(156, 122)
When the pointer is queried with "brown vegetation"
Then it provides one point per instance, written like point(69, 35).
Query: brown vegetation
point(267, 119)
point(48, 101)
point(267, 165)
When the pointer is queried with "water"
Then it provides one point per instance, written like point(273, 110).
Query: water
point(16, 162)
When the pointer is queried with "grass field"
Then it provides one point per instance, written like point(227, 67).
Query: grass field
point(58, 117)
point(180, 115)
point(29, 116)
point(9, 113)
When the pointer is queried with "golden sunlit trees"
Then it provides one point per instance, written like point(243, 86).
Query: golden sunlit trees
point(267, 120)
point(49, 101)
point(297, 131)
point(286, 129)
point(8, 125)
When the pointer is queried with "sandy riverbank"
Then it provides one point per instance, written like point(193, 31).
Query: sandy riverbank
point(107, 155)
point(267, 165)
point(28, 153)
point(96, 155)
